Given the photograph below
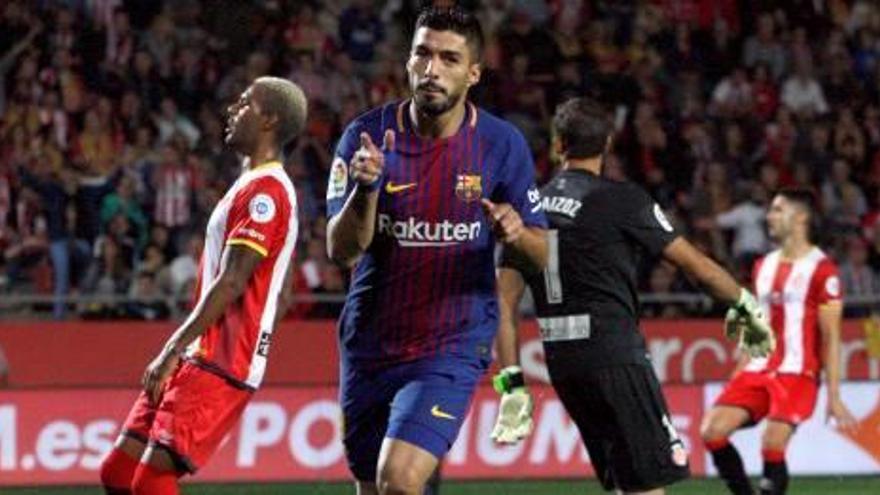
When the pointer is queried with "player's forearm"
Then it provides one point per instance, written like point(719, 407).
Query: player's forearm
point(510, 291)
point(720, 284)
point(350, 232)
point(223, 293)
point(532, 245)
point(507, 343)
point(831, 344)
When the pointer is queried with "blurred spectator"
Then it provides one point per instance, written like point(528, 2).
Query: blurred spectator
point(96, 145)
point(840, 85)
point(304, 34)
point(122, 202)
point(146, 300)
point(521, 96)
point(54, 188)
point(119, 106)
point(120, 42)
point(343, 83)
point(746, 220)
point(8, 59)
point(815, 151)
point(849, 139)
point(722, 51)
point(182, 271)
point(803, 95)
point(763, 47)
point(732, 97)
point(522, 37)
point(174, 181)
point(663, 280)
point(144, 79)
point(110, 271)
point(160, 41)
point(764, 93)
point(28, 244)
point(857, 276)
point(360, 31)
point(307, 77)
point(843, 201)
point(171, 123)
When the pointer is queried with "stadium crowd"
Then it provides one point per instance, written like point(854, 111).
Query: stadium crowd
point(112, 121)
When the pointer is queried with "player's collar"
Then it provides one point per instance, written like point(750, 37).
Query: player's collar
point(265, 165)
point(404, 123)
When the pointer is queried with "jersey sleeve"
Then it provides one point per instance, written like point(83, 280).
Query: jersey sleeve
point(260, 217)
point(517, 186)
point(644, 221)
point(827, 289)
point(338, 185)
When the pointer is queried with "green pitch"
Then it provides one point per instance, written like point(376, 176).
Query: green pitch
point(799, 486)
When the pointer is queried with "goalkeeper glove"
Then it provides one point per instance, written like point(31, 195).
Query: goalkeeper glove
point(514, 421)
point(746, 320)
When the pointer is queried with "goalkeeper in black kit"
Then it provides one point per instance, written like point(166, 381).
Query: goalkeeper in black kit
point(587, 308)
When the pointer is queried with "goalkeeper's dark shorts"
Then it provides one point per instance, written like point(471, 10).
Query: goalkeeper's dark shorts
point(623, 419)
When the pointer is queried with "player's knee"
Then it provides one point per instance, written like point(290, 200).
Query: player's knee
point(774, 440)
point(711, 429)
point(400, 480)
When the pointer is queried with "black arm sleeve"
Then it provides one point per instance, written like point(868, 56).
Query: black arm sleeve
point(644, 220)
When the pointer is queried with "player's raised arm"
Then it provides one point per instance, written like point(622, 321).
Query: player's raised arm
point(238, 264)
point(351, 227)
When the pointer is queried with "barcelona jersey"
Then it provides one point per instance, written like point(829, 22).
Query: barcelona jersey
point(426, 284)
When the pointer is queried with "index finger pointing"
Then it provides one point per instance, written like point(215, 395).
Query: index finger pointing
point(367, 143)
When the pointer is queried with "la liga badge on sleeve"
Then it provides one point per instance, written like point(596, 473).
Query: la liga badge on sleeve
point(262, 208)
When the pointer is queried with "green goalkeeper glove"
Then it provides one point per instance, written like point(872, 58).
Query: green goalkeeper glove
point(514, 421)
point(746, 320)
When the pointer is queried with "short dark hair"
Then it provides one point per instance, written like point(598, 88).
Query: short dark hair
point(457, 20)
point(287, 101)
point(806, 200)
point(584, 126)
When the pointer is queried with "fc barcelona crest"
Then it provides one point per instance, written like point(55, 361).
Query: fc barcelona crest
point(469, 187)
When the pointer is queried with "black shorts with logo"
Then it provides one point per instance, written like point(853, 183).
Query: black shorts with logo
point(615, 400)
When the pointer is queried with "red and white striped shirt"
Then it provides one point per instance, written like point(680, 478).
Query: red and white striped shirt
point(791, 293)
point(174, 191)
point(259, 212)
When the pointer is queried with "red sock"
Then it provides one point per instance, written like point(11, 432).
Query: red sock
point(117, 472)
point(772, 455)
point(713, 445)
point(151, 481)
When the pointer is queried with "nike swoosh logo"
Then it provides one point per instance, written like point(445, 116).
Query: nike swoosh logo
point(392, 188)
point(438, 413)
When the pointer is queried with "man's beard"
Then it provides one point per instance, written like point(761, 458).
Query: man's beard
point(435, 106)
